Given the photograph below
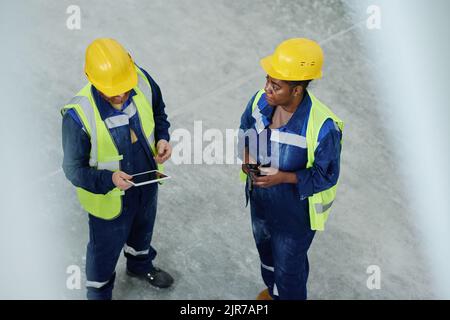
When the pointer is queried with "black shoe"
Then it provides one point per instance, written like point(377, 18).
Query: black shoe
point(156, 277)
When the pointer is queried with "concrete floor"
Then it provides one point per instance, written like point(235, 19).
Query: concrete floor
point(205, 57)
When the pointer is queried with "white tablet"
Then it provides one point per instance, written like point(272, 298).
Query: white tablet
point(143, 178)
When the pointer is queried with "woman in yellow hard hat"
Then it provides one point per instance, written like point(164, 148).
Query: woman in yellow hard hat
point(296, 157)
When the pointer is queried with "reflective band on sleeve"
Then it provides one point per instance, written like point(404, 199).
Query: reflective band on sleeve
point(320, 208)
point(133, 252)
point(117, 121)
point(288, 138)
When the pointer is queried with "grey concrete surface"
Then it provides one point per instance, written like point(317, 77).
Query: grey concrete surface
point(205, 57)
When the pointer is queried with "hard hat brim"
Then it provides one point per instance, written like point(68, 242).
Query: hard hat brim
point(120, 88)
point(266, 64)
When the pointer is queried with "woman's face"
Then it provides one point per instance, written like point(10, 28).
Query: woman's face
point(278, 92)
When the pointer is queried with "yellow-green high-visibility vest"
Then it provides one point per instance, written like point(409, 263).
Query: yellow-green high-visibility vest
point(319, 203)
point(104, 153)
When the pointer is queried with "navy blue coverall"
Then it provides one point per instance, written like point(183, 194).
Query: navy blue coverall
point(132, 230)
point(280, 214)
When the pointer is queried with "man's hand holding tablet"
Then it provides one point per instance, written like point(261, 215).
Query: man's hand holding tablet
point(144, 178)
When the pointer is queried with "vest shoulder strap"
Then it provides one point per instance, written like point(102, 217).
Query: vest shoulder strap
point(257, 99)
point(144, 85)
point(82, 105)
point(321, 112)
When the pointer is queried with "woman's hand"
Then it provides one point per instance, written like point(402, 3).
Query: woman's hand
point(272, 177)
point(248, 160)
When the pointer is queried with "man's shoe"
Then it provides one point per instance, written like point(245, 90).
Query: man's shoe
point(156, 277)
point(264, 295)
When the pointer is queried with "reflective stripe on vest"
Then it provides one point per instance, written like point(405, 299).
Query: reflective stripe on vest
point(256, 114)
point(113, 162)
point(145, 88)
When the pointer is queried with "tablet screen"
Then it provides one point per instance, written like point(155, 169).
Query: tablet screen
point(148, 176)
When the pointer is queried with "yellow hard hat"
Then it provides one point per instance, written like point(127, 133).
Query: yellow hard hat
point(109, 67)
point(295, 59)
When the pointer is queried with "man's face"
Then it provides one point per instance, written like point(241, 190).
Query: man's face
point(120, 99)
point(278, 92)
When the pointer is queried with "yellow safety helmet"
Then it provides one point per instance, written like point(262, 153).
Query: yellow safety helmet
point(109, 67)
point(295, 59)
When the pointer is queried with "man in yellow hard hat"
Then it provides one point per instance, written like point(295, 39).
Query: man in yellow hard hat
point(116, 126)
point(296, 159)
